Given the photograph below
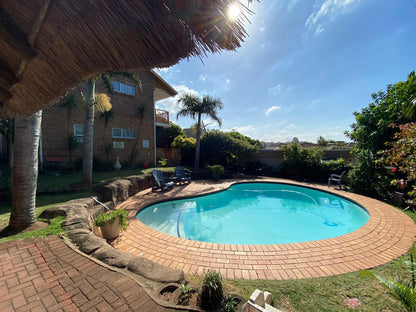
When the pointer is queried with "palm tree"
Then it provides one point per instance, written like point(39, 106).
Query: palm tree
point(89, 120)
point(7, 130)
point(107, 115)
point(70, 103)
point(25, 171)
point(88, 134)
point(195, 107)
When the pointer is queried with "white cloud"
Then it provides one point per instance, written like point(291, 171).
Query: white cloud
point(171, 104)
point(314, 103)
point(291, 4)
point(272, 109)
point(162, 70)
point(274, 90)
point(327, 13)
point(202, 77)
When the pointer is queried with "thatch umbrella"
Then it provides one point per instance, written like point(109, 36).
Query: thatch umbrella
point(50, 46)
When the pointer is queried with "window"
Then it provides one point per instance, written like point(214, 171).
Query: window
point(118, 145)
point(145, 143)
point(79, 133)
point(123, 87)
point(124, 133)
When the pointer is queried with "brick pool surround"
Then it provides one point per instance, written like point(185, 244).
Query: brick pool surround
point(388, 234)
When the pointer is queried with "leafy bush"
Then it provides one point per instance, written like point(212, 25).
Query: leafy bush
point(170, 133)
point(302, 162)
point(366, 179)
point(187, 146)
point(333, 165)
point(216, 171)
point(401, 156)
point(212, 291)
point(229, 149)
point(230, 303)
point(111, 216)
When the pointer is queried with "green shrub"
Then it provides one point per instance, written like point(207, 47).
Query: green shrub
point(216, 171)
point(366, 179)
point(111, 216)
point(212, 291)
point(302, 162)
point(230, 303)
point(187, 146)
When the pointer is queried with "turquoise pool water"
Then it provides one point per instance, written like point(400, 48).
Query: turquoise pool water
point(257, 213)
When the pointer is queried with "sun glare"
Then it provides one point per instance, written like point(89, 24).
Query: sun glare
point(233, 11)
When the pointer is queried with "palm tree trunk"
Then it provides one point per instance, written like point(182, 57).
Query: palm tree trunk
point(88, 136)
point(25, 171)
point(198, 143)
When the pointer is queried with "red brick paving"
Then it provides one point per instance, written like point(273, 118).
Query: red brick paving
point(387, 235)
point(46, 275)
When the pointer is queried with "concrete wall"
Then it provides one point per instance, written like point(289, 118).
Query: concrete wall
point(274, 158)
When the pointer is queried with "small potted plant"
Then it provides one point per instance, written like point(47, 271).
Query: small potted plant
point(111, 223)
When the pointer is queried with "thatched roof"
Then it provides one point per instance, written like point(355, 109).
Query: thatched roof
point(49, 46)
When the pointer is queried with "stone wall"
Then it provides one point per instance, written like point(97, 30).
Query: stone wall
point(81, 231)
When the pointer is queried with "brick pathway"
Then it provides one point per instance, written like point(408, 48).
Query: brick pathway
point(387, 235)
point(46, 275)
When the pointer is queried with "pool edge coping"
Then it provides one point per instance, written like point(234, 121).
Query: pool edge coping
point(377, 242)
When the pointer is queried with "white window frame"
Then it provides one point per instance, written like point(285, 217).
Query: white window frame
point(122, 87)
point(145, 143)
point(124, 133)
point(79, 132)
point(118, 144)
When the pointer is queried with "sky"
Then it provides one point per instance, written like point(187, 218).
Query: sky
point(304, 69)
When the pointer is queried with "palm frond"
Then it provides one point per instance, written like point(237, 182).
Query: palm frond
point(102, 103)
point(130, 75)
point(68, 101)
point(405, 293)
point(107, 82)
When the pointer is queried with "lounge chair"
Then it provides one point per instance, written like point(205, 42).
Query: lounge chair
point(336, 178)
point(181, 175)
point(159, 181)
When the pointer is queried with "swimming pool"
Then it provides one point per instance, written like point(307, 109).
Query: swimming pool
point(257, 213)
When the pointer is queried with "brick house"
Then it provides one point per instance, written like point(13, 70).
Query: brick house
point(130, 134)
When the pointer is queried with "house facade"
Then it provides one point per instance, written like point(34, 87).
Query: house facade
point(128, 132)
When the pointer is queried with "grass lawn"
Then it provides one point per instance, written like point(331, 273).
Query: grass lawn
point(42, 202)
point(332, 293)
point(55, 183)
point(318, 294)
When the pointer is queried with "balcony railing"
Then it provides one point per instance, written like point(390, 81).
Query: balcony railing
point(162, 116)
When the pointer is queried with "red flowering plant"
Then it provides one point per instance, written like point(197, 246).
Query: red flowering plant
point(402, 155)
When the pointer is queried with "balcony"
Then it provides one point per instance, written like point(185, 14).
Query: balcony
point(162, 118)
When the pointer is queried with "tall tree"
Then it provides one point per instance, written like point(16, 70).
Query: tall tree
point(69, 102)
point(90, 101)
point(7, 130)
point(195, 107)
point(88, 134)
point(372, 127)
point(25, 171)
point(107, 115)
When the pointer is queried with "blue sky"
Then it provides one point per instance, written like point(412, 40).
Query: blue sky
point(306, 66)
